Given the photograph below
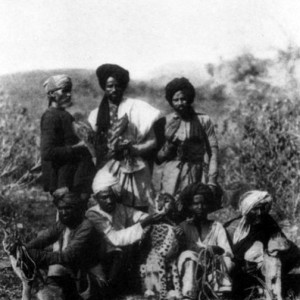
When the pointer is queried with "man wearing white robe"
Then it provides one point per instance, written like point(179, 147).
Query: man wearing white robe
point(122, 226)
point(120, 120)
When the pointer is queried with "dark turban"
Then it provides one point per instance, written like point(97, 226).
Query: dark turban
point(69, 199)
point(180, 84)
point(196, 188)
point(109, 70)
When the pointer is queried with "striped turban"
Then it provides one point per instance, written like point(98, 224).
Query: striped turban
point(57, 82)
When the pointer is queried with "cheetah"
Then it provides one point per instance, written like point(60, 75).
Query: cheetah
point(160, 273)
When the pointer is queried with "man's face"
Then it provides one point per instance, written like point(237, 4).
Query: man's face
point(106, 200)
point(257, 213)
point(198, 207)
point(67, 214)
point(180, 102)
point(63, 97)
point(113, 90)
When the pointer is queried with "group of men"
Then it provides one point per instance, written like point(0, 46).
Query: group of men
point(105, 197)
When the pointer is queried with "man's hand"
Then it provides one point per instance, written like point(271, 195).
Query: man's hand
point(60, 192)
point(249, 267)
point(213, 188)
point(81, 144)
point(102, 283)
point(152, 219)
point(135, 150)
point(216, 250)
point(10, 249)
point(178, 231)
point(122, 144)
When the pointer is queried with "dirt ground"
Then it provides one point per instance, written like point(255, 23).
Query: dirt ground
point(34, 211)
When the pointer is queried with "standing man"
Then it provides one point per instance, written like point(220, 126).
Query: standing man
point(190, 149)
point(66, 162)
point(125, 136)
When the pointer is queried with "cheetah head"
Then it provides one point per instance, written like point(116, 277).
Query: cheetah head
point(164, 203)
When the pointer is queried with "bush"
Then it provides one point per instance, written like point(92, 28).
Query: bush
point(19, 138)
point(261, 142)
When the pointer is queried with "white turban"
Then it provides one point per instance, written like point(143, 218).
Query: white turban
point(103, 180)
point(249, 201)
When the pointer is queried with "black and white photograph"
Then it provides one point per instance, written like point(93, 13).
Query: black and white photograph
point(150, 150)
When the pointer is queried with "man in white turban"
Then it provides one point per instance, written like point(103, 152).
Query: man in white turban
point(258, 243)
point(123, 226)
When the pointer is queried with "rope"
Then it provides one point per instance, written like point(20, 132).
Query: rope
point(209, 272)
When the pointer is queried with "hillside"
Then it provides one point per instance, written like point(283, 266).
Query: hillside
point(26, 90)
point(254, 103)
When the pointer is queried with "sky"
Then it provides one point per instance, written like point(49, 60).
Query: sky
point(141, 35)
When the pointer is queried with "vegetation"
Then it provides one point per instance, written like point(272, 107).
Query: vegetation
point(255, 104)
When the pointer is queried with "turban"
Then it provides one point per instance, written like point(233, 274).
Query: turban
point(57, 82)
point(68, 199)
point(196, 188)
point(103, 180)
point(249, 201)
point(109, 70)
point(180, 84)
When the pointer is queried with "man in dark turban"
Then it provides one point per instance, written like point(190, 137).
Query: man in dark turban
point(190, 147)
point(109, 70)
point(180, 84)
point(77, 246)
point(196, 188)
point(124, 135)
point(207, 245)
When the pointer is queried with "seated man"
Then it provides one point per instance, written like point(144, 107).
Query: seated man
point(123, 226)
point(258, 245)
point(205, 264)
point(77, 247)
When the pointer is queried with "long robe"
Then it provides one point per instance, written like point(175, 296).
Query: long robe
point(141, 117)
point(63, 165)
point(194, 157)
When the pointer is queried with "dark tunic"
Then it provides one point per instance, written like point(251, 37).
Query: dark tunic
point(84, 252)
point(86, 247)
point(61, 164)
point(194, 155)
point(261, 232)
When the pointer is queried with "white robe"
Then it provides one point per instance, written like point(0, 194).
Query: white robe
point(141, 116)
point(121, 227)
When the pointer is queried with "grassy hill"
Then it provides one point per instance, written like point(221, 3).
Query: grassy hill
point(254, 103)
point(26, 89)
point(254, 106)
